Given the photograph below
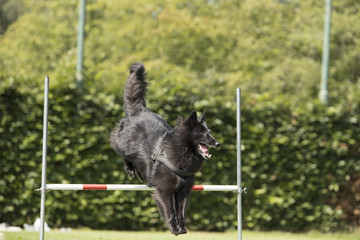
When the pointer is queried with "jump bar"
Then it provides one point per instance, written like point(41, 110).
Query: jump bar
point(132, 187)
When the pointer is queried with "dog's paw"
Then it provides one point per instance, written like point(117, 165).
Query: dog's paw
point(130, 172)
point(174, 231)
point(182, 231)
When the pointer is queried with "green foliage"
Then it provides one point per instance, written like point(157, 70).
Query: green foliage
point(9, 12)
point(306, 145)
point(300, 159)
point(294, 174)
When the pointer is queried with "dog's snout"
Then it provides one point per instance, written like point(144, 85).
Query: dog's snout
point(217, 144)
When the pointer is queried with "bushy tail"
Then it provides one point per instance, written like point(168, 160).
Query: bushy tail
point(135, 89)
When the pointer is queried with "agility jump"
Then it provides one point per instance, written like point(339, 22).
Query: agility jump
point(134, 187)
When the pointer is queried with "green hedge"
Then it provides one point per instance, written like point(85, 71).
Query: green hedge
point(300, 163)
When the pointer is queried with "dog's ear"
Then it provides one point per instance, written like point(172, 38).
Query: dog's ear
point(202, 118)
point(192, 119)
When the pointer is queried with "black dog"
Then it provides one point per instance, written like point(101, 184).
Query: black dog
point(164, 158)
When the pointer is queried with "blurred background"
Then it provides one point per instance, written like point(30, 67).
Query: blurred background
point(301, 162)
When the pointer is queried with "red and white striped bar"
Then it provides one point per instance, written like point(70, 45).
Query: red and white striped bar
point(133, 187)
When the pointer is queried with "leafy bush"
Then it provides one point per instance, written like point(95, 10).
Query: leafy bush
point(297, 161)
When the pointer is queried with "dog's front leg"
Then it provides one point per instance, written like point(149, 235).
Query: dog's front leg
point(166, 204)
point(182, 200)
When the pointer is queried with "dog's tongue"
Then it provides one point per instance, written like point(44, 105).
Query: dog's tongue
point(205, 150)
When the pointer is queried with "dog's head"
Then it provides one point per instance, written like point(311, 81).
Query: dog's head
point(200, 134)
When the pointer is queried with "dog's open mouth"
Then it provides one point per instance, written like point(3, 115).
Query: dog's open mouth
point(204, 151)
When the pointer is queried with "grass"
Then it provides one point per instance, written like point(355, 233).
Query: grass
point(116, 235)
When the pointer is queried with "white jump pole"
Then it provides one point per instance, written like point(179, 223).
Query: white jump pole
point(238, 158)
point(134, 187)
point(44, 154)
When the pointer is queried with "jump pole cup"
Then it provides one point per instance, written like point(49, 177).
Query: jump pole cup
point(44, 154)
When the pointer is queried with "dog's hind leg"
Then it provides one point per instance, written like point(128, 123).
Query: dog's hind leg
point(166, 205)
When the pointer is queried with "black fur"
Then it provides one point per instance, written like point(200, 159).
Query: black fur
point(143, 133)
